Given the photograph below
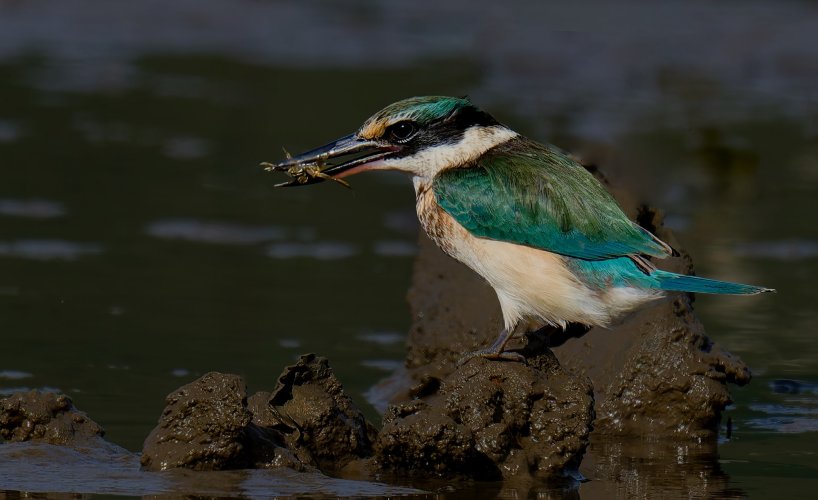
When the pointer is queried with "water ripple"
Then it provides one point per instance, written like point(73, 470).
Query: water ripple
point(214, 232)
point(185, 148)
point(48, 249)
point(34, 208)
point(383, 338)
point(326, 250)
point(395, 248)
point(9, 131)
point(387, 365)
point(780, 250)
point(7, 391)
point(797, 412)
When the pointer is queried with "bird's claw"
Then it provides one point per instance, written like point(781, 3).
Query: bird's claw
point(493, 355)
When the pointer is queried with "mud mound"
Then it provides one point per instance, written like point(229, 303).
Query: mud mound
point(318, 421)
point(47, 417)
point(657, 374)
point(203, 426)
point(492, 420)
point(306, 422)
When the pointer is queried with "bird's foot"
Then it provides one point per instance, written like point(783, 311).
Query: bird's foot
point(492, 354)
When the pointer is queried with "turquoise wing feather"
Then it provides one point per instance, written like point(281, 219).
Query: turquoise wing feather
point(529, 194)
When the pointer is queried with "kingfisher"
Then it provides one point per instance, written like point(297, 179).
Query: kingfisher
point(527, 217)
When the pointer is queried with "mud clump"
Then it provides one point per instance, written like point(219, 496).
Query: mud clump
point(492, 420)
point(659, 376)
point(317, 420)
point(657, 373)
point(46, 417)
point(307, 422)
point(204, 427)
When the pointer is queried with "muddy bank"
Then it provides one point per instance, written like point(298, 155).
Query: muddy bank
point(485, 421)
point(211, 440)
point(613, 466)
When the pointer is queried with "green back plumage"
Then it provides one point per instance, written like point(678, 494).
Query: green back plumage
point(526, 193)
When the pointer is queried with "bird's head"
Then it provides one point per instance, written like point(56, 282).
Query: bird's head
point(419, 135)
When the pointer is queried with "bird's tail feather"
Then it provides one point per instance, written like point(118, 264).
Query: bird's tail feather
point(682, 283)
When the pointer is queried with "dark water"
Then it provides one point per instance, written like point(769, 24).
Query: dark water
point(140, 245)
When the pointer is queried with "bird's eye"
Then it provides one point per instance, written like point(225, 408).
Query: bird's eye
point(402, 131)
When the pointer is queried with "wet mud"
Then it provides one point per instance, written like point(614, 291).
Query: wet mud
point(319, 423)
point(307, 423)
point(46, 418)
point(206, 425)
point(492, 420)
point(586, 403)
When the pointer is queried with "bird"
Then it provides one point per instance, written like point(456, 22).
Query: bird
point(527, 217)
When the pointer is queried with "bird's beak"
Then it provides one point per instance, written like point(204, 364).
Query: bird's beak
point(331, 161)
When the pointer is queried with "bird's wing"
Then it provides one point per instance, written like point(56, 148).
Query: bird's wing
point(526, 193)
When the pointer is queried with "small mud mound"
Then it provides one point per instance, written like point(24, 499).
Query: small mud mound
point(46, 417)
point(657, 374)
point(318, 421)
point(492, 420)
point(204, 427)
point(307, 422)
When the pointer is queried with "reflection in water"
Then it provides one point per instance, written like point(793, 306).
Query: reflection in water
point(9, 131)
point(386, 365)
point(786, 386)
point(14, 374)
point(649, 469)
point(185, 148)
point(324, 250)
point(6, 391)
point(34, 208)
point(180, 372)
point(795, 409)
point(383, 338)
point(214, 232)
point(109, 469)
point(289, 343)
point(48, 249)
point(785, 419)
point(395, 248)
point(789, 250)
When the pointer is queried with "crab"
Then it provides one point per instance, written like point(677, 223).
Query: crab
point(303, 174)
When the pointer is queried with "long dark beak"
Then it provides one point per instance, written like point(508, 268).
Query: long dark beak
point(330, 160)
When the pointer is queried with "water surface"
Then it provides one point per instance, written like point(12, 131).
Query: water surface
point(140, 245)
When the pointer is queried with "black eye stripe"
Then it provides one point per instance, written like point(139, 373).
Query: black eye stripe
point(444, 130)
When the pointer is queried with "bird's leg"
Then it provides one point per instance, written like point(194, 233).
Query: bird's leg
point(496, 350)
